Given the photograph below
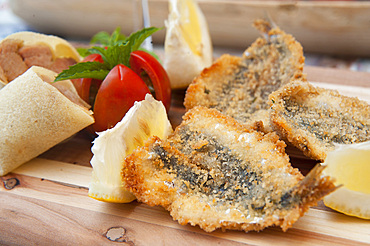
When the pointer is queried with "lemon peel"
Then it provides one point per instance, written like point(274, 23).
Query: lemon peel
point(188, 47)
point(350, 166)
point(145, 119)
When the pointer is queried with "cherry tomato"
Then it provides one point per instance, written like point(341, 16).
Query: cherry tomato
point(153, 74)
point(116, 95)
point(87, 87)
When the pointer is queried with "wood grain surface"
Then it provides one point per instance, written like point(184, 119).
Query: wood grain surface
point(45, 202)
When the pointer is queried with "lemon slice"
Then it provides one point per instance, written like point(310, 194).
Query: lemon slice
point(187, 46)
point(350, 166)
point(145, 119)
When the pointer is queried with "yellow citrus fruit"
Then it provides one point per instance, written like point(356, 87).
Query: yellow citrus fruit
point(188, 46)
point(350, 166)
point(145, 119)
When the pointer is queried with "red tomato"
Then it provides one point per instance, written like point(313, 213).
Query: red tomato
point(87, 87)
point(114, 96)
point(117, 94)
point(153, 74)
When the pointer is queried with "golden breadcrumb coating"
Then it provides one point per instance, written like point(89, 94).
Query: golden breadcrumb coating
point(315, 119)
point(216, 173)
point(240, 86)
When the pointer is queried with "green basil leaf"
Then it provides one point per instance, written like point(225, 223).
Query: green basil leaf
point(117, 37)
point(107, 39)
point(117, 49)
point(136, 39)
point(113, 55)
point(101, 51)
point(83, 52)
point(100, 38)
point(94, 70)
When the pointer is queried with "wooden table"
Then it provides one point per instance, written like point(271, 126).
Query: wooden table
point(45, 202)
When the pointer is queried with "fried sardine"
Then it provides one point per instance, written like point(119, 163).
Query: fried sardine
point(240, 86)
point(315, 119)
point(217, 173)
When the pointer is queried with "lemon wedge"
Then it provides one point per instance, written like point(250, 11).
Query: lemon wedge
point(188, 47)
point(145, 119)
point(350, 166)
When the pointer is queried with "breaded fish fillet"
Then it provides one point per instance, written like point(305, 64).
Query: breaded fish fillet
point(216, 173)
point(240, 86)
point(314, 119)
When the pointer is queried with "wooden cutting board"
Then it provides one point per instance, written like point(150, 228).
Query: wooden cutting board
point(45, 200)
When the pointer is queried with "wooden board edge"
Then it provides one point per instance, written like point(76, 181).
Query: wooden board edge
point(311, 222)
